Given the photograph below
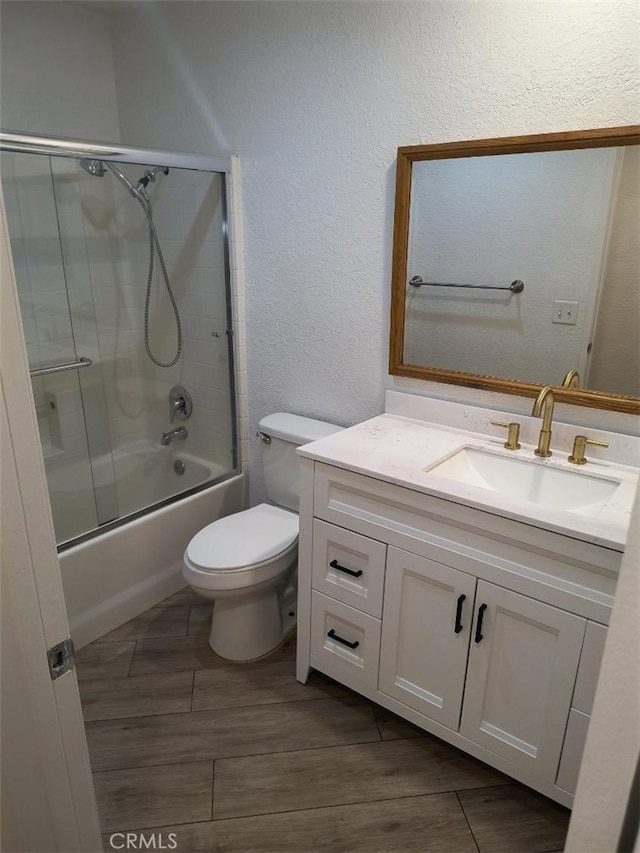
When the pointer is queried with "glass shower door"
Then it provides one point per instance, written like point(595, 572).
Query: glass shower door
point(61, 362)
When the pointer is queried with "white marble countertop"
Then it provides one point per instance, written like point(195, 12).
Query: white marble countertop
point(398, 449)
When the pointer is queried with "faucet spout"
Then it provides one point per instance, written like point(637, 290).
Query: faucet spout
point(544, 403)
point(178, 434)
point(571, 379)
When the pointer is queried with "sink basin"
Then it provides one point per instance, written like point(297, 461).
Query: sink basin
point(528, 480)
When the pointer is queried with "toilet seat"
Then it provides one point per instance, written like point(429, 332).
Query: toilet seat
point(241, 550)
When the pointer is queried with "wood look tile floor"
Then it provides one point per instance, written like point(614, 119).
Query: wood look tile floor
point(215, 757)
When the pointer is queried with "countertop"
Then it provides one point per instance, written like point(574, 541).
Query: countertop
point(398, 449)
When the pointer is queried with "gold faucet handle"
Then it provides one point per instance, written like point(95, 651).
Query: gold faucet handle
point(579, 446)
point(513, 437)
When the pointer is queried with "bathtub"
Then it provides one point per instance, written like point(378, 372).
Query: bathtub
point(118, 484)
point(124, 570)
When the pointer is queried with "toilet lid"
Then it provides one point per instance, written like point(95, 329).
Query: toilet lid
point(244, 538)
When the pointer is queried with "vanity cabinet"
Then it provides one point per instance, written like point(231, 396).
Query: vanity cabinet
point(482, 630)
point(509, 655)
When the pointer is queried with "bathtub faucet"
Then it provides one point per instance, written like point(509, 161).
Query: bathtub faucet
point(177, 434)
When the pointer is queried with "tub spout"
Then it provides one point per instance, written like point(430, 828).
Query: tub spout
point(177, 434)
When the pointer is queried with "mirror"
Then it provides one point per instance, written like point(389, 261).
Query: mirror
point(516, 260)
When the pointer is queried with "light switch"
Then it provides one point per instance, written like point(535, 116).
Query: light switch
point(565, 312)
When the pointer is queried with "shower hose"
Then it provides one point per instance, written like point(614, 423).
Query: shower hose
point(154, 246)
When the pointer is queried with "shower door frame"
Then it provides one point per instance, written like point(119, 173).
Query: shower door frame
point(26, 143)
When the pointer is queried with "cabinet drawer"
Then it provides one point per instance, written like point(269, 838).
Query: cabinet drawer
point(344, 641)
point(348, 567)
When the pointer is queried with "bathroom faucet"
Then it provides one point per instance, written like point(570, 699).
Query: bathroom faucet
point(571, 379)
point(544, 398)
point(177, 434)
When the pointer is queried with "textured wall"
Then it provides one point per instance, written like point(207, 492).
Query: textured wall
point(56, 66)
point(315, 98)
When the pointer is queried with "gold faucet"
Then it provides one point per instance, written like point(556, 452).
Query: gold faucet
point(571, 379)
point(544, 398)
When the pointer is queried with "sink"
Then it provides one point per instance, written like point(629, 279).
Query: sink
point(528, 480)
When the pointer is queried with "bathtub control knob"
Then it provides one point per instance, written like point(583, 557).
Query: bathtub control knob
point(180, 404)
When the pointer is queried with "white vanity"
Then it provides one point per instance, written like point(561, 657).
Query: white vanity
point(472, 601)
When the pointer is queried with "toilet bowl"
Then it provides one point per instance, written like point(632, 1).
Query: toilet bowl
point(247, 562)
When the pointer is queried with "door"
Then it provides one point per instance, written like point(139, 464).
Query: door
point(522, 665)
point(48, 802)
point(425, 635)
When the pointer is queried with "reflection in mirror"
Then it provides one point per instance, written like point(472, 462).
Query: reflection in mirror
point(565, 222)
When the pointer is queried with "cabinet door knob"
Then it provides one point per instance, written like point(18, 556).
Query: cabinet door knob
point(332, 634)
point(479, 634)
point(458, 626)
point(336, 565)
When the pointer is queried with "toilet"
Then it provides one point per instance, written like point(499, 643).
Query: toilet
point(247, 562)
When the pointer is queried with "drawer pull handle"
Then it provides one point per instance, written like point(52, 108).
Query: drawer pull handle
point(338, 639)
point(336, 565)
point(459, 626)
point(479, 634)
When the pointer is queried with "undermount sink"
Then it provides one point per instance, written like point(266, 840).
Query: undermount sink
point(528, 480)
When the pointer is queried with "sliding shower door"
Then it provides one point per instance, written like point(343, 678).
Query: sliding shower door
point(123, 279)
point(63, 367)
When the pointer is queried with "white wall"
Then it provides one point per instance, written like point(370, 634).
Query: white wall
point(57, 71)
point(315, 98)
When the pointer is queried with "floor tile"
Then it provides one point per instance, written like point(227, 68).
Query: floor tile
point(200, 618)
point(393, 727)
point(108, 660)
point(265, 682)
point(184, 596)
point(339, 775)
point(151, 796)
point(432, 824)
point(109, 699)
point(174, 654)
point(157, 622)
point(513, 817)
point(175, 738)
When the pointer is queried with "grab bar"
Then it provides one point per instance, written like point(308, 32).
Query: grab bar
point(58, 368)
point(516, 286)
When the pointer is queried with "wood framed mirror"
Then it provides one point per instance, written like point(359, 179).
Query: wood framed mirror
point(557, 213)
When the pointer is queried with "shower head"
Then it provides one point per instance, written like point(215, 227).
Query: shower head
point(93, 167)
point(99, 167)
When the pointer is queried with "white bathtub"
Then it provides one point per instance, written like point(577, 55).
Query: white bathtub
point(128, 480)
point(120, 573)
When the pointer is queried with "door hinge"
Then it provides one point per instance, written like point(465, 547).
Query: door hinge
point(61, 658)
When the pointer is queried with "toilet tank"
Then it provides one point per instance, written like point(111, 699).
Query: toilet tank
point(279, 458)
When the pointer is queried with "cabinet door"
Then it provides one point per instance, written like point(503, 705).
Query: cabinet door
point(426, 626)
point(522, 667)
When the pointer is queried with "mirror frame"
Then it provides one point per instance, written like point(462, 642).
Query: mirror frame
point(604, 137)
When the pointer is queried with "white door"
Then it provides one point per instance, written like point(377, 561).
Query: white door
point(522, 666)
point(48, 802)
point(426, 627)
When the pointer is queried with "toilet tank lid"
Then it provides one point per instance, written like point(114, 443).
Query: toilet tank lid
point(296, 429)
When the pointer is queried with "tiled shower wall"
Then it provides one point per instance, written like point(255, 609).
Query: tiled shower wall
point(85, 250)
